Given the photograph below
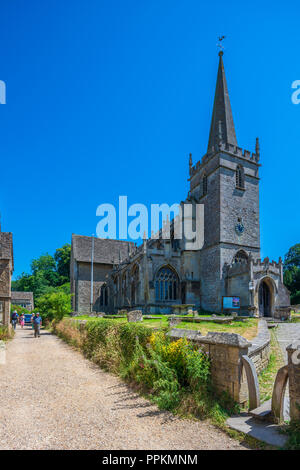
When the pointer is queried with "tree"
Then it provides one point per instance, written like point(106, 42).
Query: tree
point(47, 273)
point(46, 265)
point(54, 305)
point(62, 257)
point(291, 275)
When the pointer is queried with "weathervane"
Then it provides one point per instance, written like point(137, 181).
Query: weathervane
point(220, 45)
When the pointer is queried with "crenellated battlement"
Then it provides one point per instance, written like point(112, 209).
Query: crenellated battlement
point(228, 148)
point(263, 263)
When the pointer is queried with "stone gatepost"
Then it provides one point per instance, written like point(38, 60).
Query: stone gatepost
point(293, 351)
point(226, 351)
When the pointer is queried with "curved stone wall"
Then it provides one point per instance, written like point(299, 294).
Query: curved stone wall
point(259, 352)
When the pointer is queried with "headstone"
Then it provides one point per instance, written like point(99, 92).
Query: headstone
point(174, 321)
point(135, 315)
point(122, 312)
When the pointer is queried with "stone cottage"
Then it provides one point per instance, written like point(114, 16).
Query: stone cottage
point(161, 274)
point(23, 299)
point(6, 270)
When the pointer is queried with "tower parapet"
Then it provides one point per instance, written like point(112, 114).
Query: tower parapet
point(226, 148)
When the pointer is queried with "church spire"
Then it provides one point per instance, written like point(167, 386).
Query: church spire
point(222, 125)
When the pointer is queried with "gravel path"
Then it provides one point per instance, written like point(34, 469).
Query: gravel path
point(286, 333)
point(53, 398)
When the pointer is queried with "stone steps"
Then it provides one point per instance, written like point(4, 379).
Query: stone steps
point(263, 431)
point(263, 412)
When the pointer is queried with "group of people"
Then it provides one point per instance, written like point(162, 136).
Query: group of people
point(36, 321)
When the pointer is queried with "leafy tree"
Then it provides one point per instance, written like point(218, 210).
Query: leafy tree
point(54, 305)
point(62, 257)
point(292, 272)
point(292, 258)
point(18, 309)
point(47, 274)
point(46, 266)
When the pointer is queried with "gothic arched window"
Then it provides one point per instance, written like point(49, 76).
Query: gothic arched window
point(204, 185)
point(241, 257)
point(239, 177)
point(104, 295)
point(134, 284)
point(166, 284)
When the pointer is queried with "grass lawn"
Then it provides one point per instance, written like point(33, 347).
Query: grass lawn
point(267, 377)
point(246, 328)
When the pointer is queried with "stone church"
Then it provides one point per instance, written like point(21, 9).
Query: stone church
point(163, 276)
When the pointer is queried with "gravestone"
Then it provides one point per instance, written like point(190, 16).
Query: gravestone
point(174, 321)
point(134, 316)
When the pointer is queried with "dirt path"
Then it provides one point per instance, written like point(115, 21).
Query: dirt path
point(53, 398)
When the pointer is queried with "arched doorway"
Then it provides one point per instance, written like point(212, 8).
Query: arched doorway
point(265, 300)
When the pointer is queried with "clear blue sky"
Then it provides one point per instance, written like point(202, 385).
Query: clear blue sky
point(107, 98)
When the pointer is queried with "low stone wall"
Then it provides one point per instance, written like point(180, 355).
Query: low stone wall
point(259, 352)
point(225, 351)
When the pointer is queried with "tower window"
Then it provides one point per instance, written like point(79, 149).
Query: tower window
point(241, 257)
point(239, 178)
point(204, 182)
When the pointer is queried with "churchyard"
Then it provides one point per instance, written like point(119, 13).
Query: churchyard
point(245, 327)
point(193, 366)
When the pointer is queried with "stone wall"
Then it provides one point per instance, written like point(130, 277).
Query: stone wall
point(259, 352)
point(225, 351)
point(83, 286)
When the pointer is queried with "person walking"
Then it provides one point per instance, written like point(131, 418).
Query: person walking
point(37, 321)
point(14, 319)
point(22, 320)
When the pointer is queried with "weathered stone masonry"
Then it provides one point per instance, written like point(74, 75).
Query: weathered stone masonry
point(162, 273)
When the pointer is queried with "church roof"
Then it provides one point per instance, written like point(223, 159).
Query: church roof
point(6, 246)
point(106, 251)
point(222, 126)
point(19, 295)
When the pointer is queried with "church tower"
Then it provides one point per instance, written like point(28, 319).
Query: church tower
point(226, 181)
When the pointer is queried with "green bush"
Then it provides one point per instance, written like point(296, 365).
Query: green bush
point(6, 333)
point(176, 374)
point(54, 305)
point(19, 309)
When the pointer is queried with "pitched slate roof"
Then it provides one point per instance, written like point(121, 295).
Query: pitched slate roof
point(106, 251)
point(18, 295)
point(6, 246)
